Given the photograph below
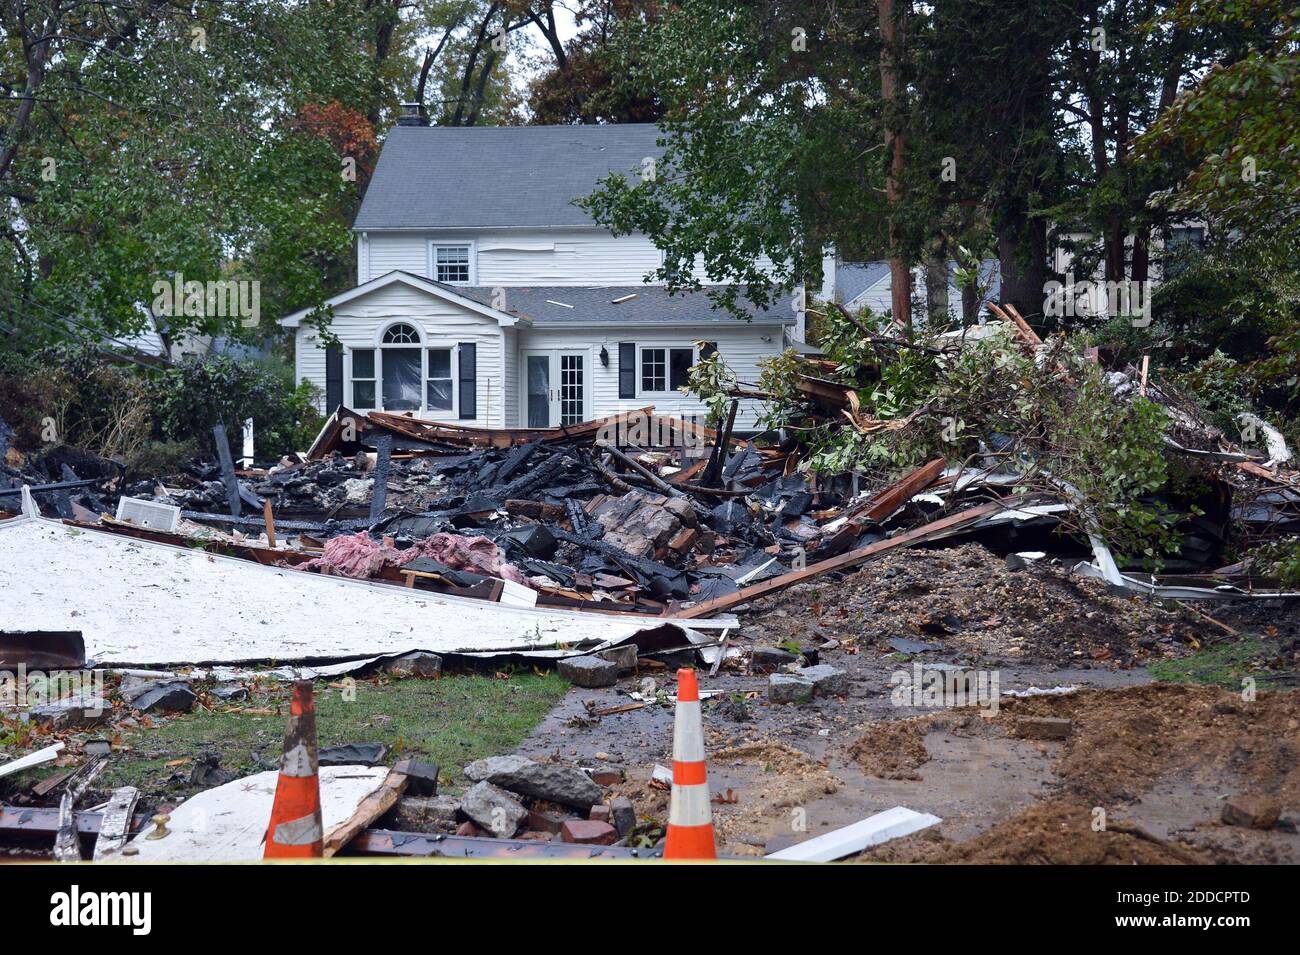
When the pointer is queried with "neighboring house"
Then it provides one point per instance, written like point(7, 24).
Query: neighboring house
point(1167, 247)
point(858, 284)
point(486, 296)
point(190, 345)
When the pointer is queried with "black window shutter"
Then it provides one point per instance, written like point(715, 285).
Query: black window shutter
point(707, 349)
point(468, 380)
point(627, 369)
point(333, 379)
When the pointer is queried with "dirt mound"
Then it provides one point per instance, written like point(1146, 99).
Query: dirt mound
point(893, 750)
point(1049, 833)
point(779, 780)
point(964, 601)
point(1124, 741)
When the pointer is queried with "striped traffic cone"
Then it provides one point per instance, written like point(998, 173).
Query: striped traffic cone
point(295, 829)
point(690, 818)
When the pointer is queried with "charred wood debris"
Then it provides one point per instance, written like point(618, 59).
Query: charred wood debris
point(634, 513)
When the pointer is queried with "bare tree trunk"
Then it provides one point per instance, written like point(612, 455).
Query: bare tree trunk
point(900, 279)
point(431, 57)
point(483, 77)
point(1141, 268)
point(470, 63)
point(36, 52)
point(936, 290)
point(1022, 261)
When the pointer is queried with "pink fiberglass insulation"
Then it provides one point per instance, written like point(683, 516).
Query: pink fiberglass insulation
point(475, 554)
point(357, 555)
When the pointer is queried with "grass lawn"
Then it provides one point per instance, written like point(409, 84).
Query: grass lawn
point(1226, 664)
point(450, 721)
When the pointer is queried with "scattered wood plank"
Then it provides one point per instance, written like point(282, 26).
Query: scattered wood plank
point(887, 500)
point(269, 519)
point(38, 758)
point(935, 530)
point(115, 824)
point(850, 840)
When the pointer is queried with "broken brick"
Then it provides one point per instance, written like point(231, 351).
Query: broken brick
point(588, 832)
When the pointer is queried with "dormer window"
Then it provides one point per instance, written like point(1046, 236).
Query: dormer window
point(452, 263)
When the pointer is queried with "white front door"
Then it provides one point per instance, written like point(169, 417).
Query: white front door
point(555, 387)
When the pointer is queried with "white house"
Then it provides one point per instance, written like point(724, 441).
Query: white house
point(867, 284)
point(488, 297)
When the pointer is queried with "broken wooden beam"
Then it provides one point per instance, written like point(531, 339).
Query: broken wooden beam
point(228, 478)
point(935, 530)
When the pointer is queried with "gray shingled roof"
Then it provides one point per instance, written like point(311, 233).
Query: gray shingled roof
point(437, 177)
point(854, 278)
point(652, 305)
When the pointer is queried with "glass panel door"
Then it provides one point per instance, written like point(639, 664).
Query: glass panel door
point(572, 392)
point(538, 373)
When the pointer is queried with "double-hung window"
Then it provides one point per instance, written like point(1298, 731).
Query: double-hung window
point(451, 263)
point(363, 377)
point(438, 383)
point(665, 369)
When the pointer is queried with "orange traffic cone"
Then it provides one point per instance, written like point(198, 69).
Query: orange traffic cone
point(295, 829)
point(690, 818)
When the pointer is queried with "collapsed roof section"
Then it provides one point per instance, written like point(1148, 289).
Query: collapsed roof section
point(143, 603)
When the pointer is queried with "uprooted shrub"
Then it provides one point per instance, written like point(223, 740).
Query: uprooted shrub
point(1054, 420)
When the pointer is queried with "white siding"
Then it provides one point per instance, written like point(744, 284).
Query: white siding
point(359, 323)
point(513, 257)
point(741, 346)
point(510, 377)
point(309, 363)
point(394, 252)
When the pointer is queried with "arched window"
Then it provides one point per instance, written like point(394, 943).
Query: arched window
point(401, 334)
point(401, 375)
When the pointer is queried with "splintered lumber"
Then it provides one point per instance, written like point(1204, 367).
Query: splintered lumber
point(1008, 313)
point(935, 530)
point(269, 520)
point(371, 808)
point(829, 392)
point(885, 501)
point(115, 824)
point(640, 469)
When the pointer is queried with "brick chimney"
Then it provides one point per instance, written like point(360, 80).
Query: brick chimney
point(412, 114)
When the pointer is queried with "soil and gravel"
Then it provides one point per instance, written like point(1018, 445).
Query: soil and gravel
point(1154, 761)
